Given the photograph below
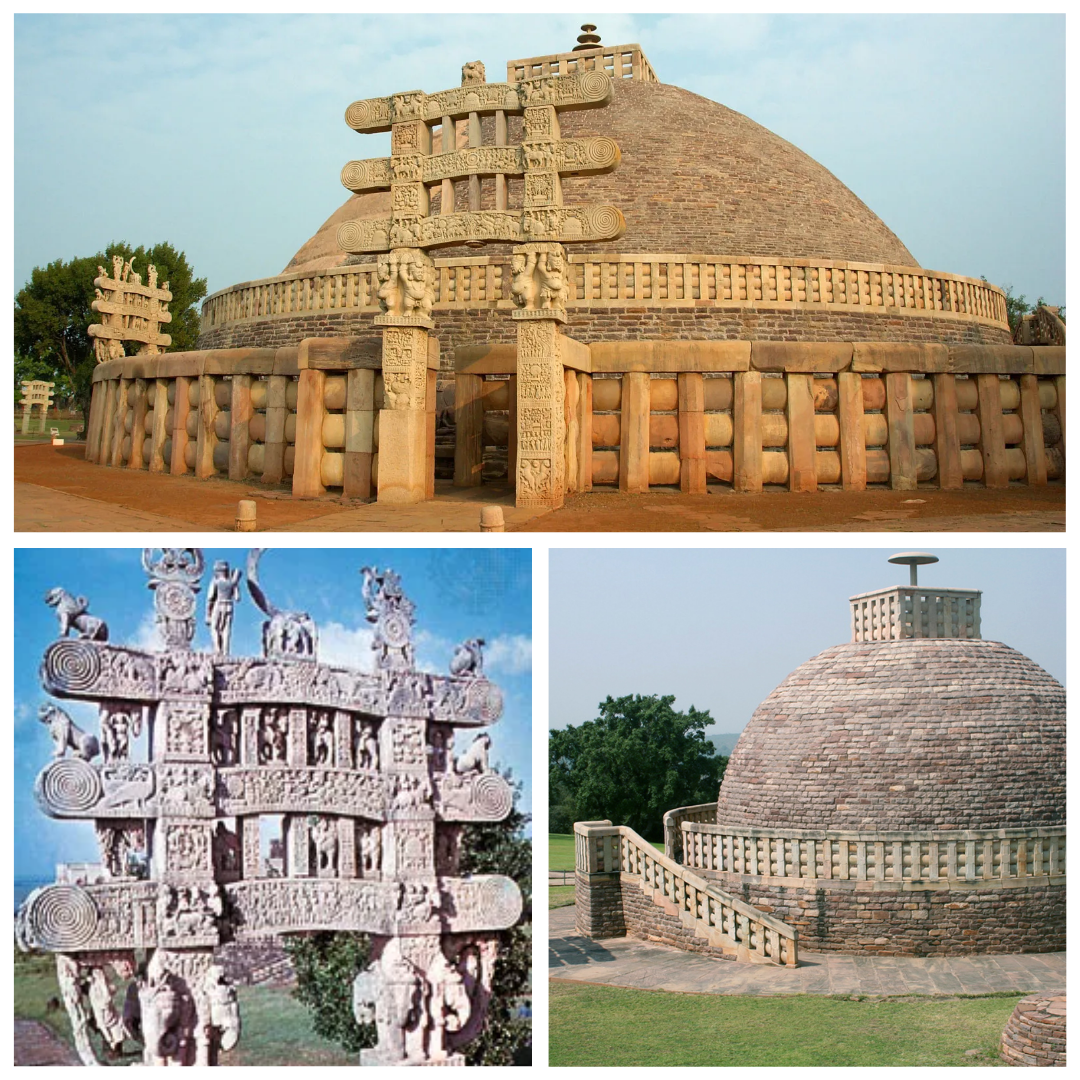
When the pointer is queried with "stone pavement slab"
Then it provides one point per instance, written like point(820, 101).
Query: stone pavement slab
point(645, 965)
point(36, 1044)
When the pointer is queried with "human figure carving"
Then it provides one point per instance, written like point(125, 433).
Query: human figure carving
point(551, 270)
point(524, 287)
point(117, 728)
point(367, 748)
point(66, 734)
point(322, 741)
point(221, 600)
point(371, 850)
point(324, 838)
point(72, 615)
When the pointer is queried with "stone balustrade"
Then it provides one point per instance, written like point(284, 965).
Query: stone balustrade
point(905, 612)
point(603, 849)
point(631, 280)
point(998, 858)
point(305, 416)
point(800, 415)
point(620, 62)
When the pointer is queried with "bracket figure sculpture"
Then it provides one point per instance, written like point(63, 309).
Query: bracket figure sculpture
point(358, 765)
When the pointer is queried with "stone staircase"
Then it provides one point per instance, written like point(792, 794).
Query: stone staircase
point(256, 963)
point(705, 912)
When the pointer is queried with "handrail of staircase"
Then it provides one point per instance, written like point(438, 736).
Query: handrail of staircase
point(601, 847)
point(673, 819)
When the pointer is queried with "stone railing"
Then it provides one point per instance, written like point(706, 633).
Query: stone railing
point(910, 612)
point(603, 848)
point(598, 281)
point(620, 62)
point(704, 813)
point(304, 416)
point(977, 858)
point(801, 415)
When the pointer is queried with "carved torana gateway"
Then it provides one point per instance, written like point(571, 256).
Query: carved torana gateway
point(359, 764)
point(539, 286)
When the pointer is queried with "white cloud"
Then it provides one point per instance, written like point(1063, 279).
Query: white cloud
point(349, 646)
point(147, 635)
point(24, 713)
point(510, 653)
point(432, 652)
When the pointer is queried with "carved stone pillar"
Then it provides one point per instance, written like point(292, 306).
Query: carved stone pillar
point(297, 846)
point(540, 424)
point(298, 725)
point(250, 847)
point(403, 420)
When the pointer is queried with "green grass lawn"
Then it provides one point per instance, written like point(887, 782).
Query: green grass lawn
point(601, 1025)
point(276, 1028)
point(65, 425)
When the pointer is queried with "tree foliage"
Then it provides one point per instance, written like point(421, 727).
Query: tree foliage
point(327, 963)
point(52, 311)
point(1016, 307)
point(638, 759)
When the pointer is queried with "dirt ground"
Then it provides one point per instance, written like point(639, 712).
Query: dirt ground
point(974, 509)
point(132, 500)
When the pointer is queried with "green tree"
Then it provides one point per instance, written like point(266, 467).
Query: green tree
point(638, 759)
point(327, 963)
point(52, 310)
point(1016, 307)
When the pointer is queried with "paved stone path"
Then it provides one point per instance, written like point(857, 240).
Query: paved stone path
point(641, 965)
point(36, 1044)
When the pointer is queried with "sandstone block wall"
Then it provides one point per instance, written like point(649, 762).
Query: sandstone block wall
point(598, 909)
point(847, 918)
point(1035, 1033)
point(480, 326)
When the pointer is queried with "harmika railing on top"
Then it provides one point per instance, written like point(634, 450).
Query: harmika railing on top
point(601, 847)
point(615, 280)
point(1012, 856)
point(620, 62)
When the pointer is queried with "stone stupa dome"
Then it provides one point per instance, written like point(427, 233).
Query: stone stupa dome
point(921, 733)
point(695, 177)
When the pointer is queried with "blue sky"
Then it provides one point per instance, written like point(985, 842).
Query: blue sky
point(225, 134)
point(720, 629)
point(459, 594)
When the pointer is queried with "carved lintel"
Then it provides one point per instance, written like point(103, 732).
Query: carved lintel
point(588, 89)
point(568, 157)
point(556, 224)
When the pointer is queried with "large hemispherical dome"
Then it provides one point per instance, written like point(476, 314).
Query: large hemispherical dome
point(912, 734)
point(695, 177)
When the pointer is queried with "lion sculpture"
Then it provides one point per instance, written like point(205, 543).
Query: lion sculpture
point(67, 734)
point(72, 614)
